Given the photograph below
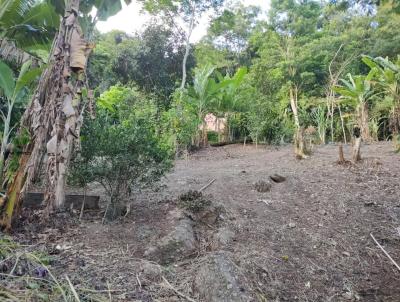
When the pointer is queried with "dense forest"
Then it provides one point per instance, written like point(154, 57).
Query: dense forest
point(119, 109)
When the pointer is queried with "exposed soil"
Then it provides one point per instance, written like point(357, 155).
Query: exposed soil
point(306, 238)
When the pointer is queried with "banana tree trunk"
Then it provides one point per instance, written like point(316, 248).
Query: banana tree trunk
point(342, 124)
point(394, 125)
point(54, 116)
point(4, 141)
point(363, 121)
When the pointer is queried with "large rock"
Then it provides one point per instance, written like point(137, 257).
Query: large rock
point(178, 243)
point(224, 236)
point(219, 281)
point(150, 272)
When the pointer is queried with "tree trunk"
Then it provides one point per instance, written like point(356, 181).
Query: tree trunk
point(332, 110)
point(342, 123)
point(204, 138)
point(363, 121)
point(357, 150)
point(187, 48)
point(394, 126)
point(341, 155)
point(4, 141)
point(298, 136)
point(11, 202)
point(54, 116)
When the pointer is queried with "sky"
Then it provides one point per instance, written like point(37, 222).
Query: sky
point(130, 19)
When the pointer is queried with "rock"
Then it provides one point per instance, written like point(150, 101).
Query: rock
point(369, 203)
point(218, 280)
point(277, 178)
point(262, 186)
point(292, 225)
point(347, 254)
point(348, 295)
point(180, 242)
point(150, 271)
point(145, 231)
point(323, 212)
point(351, 296)
point(224, 236)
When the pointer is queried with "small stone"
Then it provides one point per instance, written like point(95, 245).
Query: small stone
point(347, 254)
point(292, 225)
point(348, 295)
point(277, 178)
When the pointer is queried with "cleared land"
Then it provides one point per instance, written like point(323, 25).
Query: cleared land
point(305, 239)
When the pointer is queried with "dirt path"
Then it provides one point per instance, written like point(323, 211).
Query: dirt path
point(307, 239)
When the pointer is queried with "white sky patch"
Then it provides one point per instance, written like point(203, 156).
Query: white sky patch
point(131, 19)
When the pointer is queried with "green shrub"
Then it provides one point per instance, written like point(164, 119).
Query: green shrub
point(121, 150)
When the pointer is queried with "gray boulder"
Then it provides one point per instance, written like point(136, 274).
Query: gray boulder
point(178, 243)
point(218, 280)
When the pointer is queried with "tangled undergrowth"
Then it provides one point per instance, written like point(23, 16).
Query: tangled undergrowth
point(193, 201)
point(26, 275)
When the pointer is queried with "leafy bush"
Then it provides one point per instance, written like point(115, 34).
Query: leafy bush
point(193, 201)
point(120, 149)
point(180, 123)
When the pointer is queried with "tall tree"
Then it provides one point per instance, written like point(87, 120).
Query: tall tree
point(232, 29)
point(187, 12)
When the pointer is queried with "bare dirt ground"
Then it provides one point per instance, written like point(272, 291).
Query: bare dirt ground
point(307, 239)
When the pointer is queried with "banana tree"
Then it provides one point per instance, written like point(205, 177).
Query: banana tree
point(28, 27)
point(55, 114)
point(318, 114)
point(357, 91)
point(201, 95)
point(226, 100)
point(387, 79)
point(14, 91)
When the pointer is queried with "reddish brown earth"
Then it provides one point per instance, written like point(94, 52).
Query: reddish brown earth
point(307, 239)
